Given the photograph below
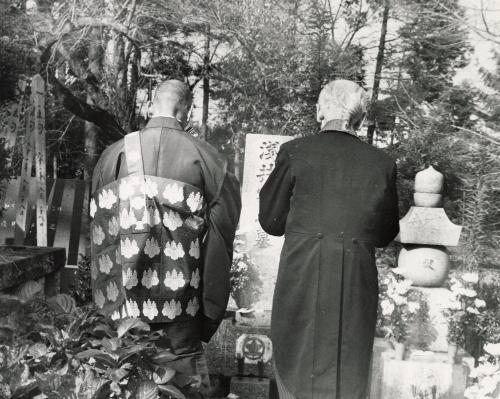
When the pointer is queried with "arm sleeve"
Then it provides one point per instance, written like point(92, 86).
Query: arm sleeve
point(390, 222)
point(217, 247)
point(275, 196)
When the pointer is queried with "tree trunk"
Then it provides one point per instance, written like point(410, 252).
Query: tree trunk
point(91, 130)
point(206, 85)
point(378, 71)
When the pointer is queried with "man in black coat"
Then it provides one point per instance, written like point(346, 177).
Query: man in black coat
point(334, 198)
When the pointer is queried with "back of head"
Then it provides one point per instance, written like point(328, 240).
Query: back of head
point(172, 98)
point(343, 101)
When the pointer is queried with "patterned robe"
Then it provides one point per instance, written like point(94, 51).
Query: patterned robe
point(334, 198)
point(164, 212)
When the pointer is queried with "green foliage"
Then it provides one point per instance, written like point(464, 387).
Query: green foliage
point(52, 347)
point(82, 290)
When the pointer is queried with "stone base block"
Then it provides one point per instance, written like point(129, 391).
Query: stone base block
point(250, 388)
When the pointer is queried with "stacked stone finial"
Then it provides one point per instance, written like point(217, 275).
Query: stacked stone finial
point(425, 232)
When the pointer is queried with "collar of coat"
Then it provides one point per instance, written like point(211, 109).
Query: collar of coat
point(164, 121)
point(338, 125)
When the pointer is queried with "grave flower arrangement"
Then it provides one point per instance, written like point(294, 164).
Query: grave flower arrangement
point(398, 305)
point(465, 309)
point(486, 379)
point(245, 281)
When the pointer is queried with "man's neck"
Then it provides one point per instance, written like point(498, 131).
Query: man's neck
point(163, 116)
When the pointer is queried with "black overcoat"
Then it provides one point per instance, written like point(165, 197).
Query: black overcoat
point(334, 198)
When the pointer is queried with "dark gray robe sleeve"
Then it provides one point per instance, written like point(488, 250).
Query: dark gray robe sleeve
point(275, 196)
point(390, 213)
point(217, 247)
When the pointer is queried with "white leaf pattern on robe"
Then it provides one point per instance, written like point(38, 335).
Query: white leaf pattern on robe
point(127, 219)
point(113, 226)
point(129, 248)
point(152, 248)
point(194, 249)
point(194, 201)
point(93, 270)
point(107, 199)
point(149, 309)
point(174, 250)
point(126, 190)
point(98, 235)
point(150, 188)
point(193, 223)
point(195, 279)
point(174, 280)
point(105, 264)
point(138, 203)
point(192, 307)
point(133, 309)
point(99, 299)
point(144, 221)
point(150, 279)
point(115, 315)
point(112, 291)
point(93, 207)
point(172, 220)
point(154, 217)
point(172, 309)
point(173, 193)
point(124, 312)
point(129, 279)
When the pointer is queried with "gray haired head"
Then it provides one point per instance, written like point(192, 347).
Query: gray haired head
point(172, 98)
point(342, 101)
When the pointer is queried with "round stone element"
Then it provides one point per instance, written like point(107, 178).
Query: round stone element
point(425, 266)
point(427, 200)
point(429, 181)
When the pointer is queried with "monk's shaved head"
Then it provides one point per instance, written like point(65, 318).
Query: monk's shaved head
point(172, 98)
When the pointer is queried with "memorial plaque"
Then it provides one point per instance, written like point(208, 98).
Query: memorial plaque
point(264, 250)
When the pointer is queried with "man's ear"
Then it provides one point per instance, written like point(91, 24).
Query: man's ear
point(319, 113)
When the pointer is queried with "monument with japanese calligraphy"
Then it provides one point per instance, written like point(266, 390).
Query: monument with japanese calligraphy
point(264, 250)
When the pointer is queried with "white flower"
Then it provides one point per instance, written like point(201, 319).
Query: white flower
point(129, 279)
point(399, 300)
point(127, 219)
point(105, 264)
point(172, 309)
point(194, 249)
point(98, 235)
point(151, 248)
point(138, 203)
point(99, 299)
point(116, 315)
point(194, 201)
point(387, 307)
point(174, 280)
point(149, 309)
point(113, 227)
point(174, 250)
point(129, 248)
point(93, 207)
point(492, 349)
point(133, 308)
point(479, 303)
point(402, 287)
point(454, 305)
point(126, 189)
point(195, 279)
point(172, 220)
point(472, 310)
point(192, 307)
point(150, 278)
point(112, 291)
point(150, 188)
point(468, 292)
point(470, 278)
point(413, 306)
point(107, 199)
point(173, 193)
